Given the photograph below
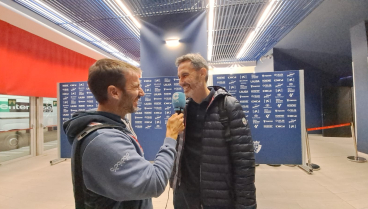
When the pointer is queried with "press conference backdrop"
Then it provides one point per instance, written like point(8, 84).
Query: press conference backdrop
point(72, 97)
point(273, 103)
point(149, 122)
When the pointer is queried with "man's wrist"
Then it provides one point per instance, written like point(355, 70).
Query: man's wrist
point(173, 136)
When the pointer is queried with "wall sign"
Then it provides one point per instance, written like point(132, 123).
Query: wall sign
point(272, 104)
point(154, 109)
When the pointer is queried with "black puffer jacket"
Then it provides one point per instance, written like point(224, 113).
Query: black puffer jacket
point(227, 165)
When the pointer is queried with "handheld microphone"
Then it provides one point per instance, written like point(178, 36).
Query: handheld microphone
point(178, 102)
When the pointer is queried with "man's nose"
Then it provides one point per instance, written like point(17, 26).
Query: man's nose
point(141, 93)
point(181, 81)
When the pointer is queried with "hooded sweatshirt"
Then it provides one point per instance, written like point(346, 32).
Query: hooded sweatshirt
point(115, 173)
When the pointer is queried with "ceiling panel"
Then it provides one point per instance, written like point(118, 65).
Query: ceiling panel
point(101, 23)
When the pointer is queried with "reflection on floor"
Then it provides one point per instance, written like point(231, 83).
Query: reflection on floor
point(23, 151)
point(15, 153)
point(340, 184)
point(50, 145)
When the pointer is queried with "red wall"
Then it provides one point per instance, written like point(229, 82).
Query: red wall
point(32, 66)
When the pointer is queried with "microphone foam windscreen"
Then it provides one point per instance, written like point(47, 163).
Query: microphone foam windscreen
point(178, 101)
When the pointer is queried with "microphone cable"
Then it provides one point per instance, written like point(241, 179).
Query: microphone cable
point(168, 197)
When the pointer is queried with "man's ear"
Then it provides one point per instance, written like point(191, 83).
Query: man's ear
point(113, 92)
point(203, 72)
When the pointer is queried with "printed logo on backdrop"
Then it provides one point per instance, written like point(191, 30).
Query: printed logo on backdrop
point(257, 146)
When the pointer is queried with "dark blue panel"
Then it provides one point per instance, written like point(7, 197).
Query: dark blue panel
point(149, 122)
point(359, 36)
point(271, 103)
point(157, 59)
point(73, 97)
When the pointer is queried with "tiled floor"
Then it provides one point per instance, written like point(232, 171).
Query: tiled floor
point(340, 184)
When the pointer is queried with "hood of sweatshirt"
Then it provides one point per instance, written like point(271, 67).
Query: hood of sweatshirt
point(80, 120)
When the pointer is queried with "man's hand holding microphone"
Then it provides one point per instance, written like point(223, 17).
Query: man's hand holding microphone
point(175, 123)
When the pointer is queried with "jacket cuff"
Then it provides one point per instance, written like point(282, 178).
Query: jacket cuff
point(170, 141)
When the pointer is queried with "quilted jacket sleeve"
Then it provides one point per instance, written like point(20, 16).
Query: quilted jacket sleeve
point(242, 156)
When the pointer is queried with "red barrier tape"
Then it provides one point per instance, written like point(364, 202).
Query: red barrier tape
point(327, 127)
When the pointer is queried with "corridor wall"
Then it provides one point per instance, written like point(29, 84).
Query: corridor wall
point(32, 66)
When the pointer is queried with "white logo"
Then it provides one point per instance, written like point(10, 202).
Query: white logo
point(176, 97)
point(244, 121)
point(257, 146)
point(120, 162)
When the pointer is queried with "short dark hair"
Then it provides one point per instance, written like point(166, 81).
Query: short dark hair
point(106, 72)
point(197, 61)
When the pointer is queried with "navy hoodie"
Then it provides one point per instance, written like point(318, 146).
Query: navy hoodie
point(113, 162)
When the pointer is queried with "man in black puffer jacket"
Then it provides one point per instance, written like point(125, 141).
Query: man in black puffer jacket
point(214, 167)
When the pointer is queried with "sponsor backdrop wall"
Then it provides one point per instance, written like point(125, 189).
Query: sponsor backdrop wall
point(149, 122)
point(272, 102)
point(72, 97)
point(274, 106)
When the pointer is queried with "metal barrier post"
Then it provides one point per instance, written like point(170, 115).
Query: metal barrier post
point(355, 158)
point(307, 168)
point(315, 167)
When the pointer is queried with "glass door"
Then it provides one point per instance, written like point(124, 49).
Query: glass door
point(15, 127)
point(49, 123)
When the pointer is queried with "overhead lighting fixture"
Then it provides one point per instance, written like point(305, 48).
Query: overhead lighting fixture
point(56, 17)
point(49, 12)
point(172, 42)
point(128, 13)
point(122, 11)
point(210, 28)
point(260, 23)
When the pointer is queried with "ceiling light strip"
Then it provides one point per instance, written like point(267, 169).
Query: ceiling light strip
point(128, 13)
point(210, 29)
point(49, 13)
point(261, 32)
point(247, 20)
point(118, 11)
point(257, 49)
point(244, 19)
point(225, 33)
point(250, 38)
point(235, 37)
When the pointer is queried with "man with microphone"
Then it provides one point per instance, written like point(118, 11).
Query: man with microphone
point(108, 165)
point(214, 167)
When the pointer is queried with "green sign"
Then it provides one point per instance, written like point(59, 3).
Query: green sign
point(12, 102)
point(54, 103)
point(4, 106)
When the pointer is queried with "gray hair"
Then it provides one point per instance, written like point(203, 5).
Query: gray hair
point(197, 61)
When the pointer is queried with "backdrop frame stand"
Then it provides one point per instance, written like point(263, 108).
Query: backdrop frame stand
point(309, 167)
point(355, 158)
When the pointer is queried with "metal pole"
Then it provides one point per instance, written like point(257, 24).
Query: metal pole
point(355, 158)
point(314, 167)
point(307, 168)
